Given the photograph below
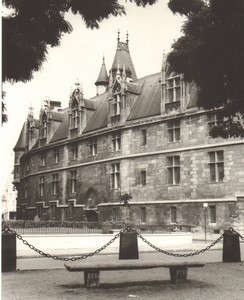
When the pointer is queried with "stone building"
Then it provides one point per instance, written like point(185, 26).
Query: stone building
point(145, 137)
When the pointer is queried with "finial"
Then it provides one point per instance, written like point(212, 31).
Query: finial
point(103, 59)
point(164, 59)
point(31, 109)
point(77, 84)
point(118, 35)
point(127, 37)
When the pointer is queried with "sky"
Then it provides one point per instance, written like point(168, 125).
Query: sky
point(151, 30)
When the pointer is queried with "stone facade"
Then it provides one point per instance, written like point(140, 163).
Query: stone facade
point(145, 137)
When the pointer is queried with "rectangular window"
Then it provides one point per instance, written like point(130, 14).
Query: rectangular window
point(53, 211)
point(115, 176)
point(75, 117)
point(173, 130)
point(143, 214)
point(74, 151)
point(44, 128)
point(143, 178)
point(41, 186)
point(143, 137)
point(55, 184)
point(39, 210)
point(73, 181)
point(71, 210)
point(93, 147)
point(216, 166)
point(173, 167)
point(115, 214)
point(212, 213)
point(26, 190)
point(43, 159)
point(56, 155)
point(116, 141)
point(174, 89)
point(173, 214)
point(214, 120)
point(116, 105)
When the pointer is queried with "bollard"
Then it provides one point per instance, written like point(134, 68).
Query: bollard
point(8, 252)
point(128, 248)
point(231, 247)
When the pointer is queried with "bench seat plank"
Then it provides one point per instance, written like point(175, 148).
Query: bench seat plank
point(125, 265)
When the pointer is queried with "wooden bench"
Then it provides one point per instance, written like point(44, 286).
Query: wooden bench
point(91, 269)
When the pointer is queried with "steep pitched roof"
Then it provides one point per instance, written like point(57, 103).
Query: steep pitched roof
point(99, 118)
point(122, 56)
point(148, 102)
point(21, 143)
point(103, 75)
point(62, 131)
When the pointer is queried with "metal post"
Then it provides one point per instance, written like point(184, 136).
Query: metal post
point(205, 211)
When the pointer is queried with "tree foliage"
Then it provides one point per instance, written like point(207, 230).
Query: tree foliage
point(211, 53)
point(35, 25)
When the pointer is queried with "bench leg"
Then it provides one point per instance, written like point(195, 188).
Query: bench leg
point(91, 278)
point(178, 274)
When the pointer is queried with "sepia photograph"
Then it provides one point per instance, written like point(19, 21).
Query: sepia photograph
point(122, 157)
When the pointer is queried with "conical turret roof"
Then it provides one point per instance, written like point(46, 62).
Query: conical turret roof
point(122, 56)
point(103, 75)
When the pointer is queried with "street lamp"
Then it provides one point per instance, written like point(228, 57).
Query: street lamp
point(205, 211)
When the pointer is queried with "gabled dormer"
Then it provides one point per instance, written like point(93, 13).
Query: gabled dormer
point(80, 110)
point(174, 92)
point(32, 129)
point(50, 118)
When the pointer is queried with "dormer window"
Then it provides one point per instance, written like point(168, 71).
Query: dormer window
point(174, 89)
point(116, 105)
point(44, 126)
point(74, 115)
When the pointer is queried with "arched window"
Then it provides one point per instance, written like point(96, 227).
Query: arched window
point(74, 114)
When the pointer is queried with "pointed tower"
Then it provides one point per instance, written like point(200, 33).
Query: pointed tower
point(102, 80)
point(122, 56)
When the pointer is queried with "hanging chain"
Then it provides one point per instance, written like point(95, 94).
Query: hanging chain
point(127, 229)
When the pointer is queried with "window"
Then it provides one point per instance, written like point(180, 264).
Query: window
point(115, 176)
point(174, 130)
point(214, 120)
point(212, 213)
point(71, 210)
point(56, 156)
point(173, 166)
point(174, 89)
point(26, 190)
point(116, 141)
point(143, 214)
point(93, 147)
point(73, 181)
point(74, 151)
point(53, 210)
point(44, 127)
point(39, 210)
point(55, 184)
point(115, 214)
point(116, 105)
point(41, 185)
point(143, 137)
point(74, 115)
point(216, 166)
point(143, 178)
point(43, 159)
point(173, 214)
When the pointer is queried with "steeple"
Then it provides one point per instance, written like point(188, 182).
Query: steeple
point(122, 56)
point(102, 80)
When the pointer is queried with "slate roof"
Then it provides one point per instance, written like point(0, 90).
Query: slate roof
point(62, 132)
point(21, 143)
point(103, 75)
point(148, 102)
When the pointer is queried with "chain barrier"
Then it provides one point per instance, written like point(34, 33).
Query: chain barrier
point(8, 230)
point(127, 229)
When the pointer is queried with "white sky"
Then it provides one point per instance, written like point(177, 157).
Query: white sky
point(151, 31)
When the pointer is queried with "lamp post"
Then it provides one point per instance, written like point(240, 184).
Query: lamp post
point(205, 211)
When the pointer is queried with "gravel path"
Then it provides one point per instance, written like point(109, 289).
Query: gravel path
point(214, 281)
